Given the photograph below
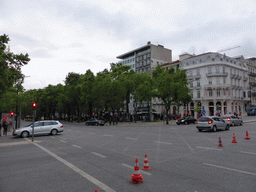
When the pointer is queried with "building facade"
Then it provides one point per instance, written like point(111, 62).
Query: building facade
point(145, 59)
point(218, 84)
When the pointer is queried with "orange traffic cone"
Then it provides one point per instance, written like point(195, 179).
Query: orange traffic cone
point(220, 143)
point(247, 136)
point(136, 176)
point(96, 190)
point(234, 138)
point(146, 167)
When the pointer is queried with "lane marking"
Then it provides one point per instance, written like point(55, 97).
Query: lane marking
point(144, 172)
point(209, 148)
point(163, 142)
point(131, 138)
point(77, 146)
point(108, 135)
point(63, 141)
point(230, 169)
point(99, 155)
point(248, 152)
point(16, 143)
point(76, 169)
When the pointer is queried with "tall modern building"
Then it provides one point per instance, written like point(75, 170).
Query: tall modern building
point(146, 58)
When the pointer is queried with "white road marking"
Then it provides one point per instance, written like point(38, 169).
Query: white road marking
point(209, 148)
point(144, 172)
point(77, 146)
point(99, 155)
point(131, 138)
point(230, 169)
point(63, 141)
point(248, 152)
point(108, 135)
point(76, 169)
point(163, 142)
point(17, 143)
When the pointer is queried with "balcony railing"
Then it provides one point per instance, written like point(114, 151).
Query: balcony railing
point(220, 74)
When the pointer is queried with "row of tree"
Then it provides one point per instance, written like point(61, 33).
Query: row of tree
point(109, 90)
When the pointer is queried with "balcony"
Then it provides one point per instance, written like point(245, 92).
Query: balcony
point(220, 74)
point(190, 77)
point(252, 74)
point(245, 78)
point(197, 76)
point(216, 86)
point(197, 87)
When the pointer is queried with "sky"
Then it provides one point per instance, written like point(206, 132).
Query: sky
point(63, 36)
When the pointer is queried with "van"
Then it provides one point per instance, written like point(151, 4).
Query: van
point(251, 111)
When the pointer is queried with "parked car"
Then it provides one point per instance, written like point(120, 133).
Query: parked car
point(251, 111)
point(186, 120)
point(95, 121)
point(40, 128)
point(233, 120)
point(211, 123)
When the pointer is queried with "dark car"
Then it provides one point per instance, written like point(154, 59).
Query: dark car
point(186, 120)
point(95, 121)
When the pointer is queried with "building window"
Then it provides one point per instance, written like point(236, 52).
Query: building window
point(198, 83)
point(217, 80)
point(191, 85)
point(198, 72)
point(224, 80)
point(198, 94)
point(224, 69)
point(210, 92)
point(218, 92)
point(210, 81)
point(210, 70)
point(191, 94)
point(217, 69)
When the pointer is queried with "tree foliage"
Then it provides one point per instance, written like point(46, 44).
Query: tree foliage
point(10, 65)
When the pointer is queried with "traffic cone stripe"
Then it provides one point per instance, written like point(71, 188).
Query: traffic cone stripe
point(234, 138)
point(146, 166)
point(247, 136)
point(136, 177)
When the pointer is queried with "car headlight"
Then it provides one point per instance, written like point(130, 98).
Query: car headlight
point(182, 120)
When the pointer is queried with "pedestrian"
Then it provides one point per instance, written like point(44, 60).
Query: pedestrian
point(5, 125)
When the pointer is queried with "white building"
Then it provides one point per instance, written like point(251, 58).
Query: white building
point(218, 83)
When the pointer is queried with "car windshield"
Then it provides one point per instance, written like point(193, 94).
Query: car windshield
point(204, 119)
point(225, 117)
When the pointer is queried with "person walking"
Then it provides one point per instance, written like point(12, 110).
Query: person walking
point(5, 126)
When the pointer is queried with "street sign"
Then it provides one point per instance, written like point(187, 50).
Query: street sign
point(203, 112)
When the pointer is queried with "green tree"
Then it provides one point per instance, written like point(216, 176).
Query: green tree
point(170, 86)
point(10, 65)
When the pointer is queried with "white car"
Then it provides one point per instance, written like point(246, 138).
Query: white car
point(211, 123)
point(233, 120)
point(40, 128)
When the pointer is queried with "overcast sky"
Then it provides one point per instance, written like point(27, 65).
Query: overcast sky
point(63, 36)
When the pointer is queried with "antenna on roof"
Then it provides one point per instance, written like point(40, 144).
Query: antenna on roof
point(228, 49)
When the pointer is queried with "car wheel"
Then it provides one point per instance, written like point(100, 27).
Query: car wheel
point(24, 134)
point(200, 130)
point(54, 132)
point(185, 122)
point(96, 124)
point(87, 124)
point(233, 124)
point(241, 123)
point(178, 123)
point(194, 122)
point(214, 128)
point(227, 127)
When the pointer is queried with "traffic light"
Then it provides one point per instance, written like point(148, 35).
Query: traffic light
point(34, 105)
point(12, 113)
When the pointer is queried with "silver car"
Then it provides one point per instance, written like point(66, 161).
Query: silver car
point(40, 128)
point(233, 120)
point(211, 123)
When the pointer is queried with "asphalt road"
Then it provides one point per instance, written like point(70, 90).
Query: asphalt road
point(85, 158)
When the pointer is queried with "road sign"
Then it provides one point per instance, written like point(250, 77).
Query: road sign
point(203, 112)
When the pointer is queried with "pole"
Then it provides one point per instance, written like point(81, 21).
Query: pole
point(34, 113)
